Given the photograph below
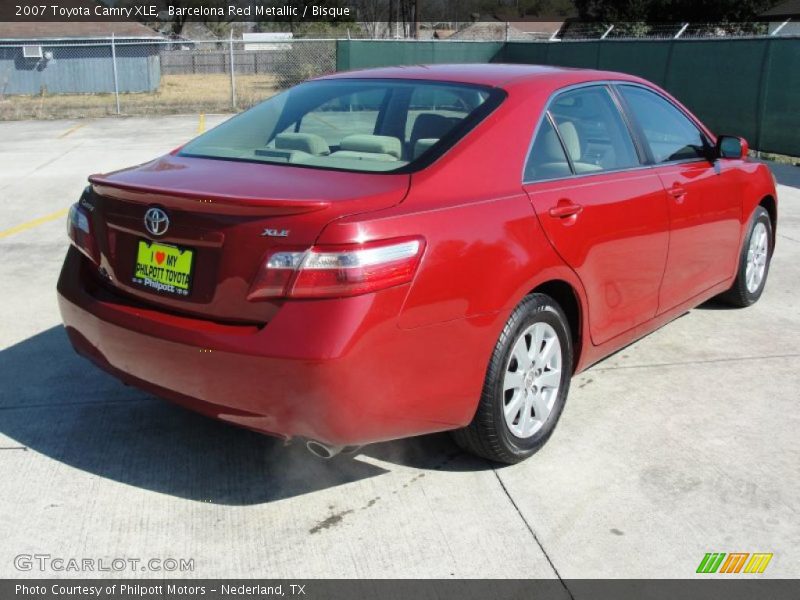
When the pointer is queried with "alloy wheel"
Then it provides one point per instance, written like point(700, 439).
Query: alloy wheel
point(532, 379)
point(757, 257)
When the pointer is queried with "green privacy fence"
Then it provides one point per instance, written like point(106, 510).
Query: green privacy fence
point(363, 54)
point(748, 87)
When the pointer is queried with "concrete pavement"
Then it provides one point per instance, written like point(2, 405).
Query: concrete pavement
point(682, 444)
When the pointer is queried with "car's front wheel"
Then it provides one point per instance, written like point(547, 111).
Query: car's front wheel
point(751, 276)
point(526, 384)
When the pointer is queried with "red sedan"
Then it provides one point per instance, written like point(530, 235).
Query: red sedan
point(394, 252)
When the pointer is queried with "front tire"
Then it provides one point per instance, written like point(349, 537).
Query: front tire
point(751, 275)
point(526, 384)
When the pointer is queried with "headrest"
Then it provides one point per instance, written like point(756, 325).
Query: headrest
point(423, 145)
point(551, 148)
point(304, 142)
point(571, 140)
point(431, 125)
point(375, 144)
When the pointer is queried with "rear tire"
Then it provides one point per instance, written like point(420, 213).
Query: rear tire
point(754, 260)
point(526, 384)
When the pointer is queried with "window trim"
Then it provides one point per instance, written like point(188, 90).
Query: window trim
point(631, 122)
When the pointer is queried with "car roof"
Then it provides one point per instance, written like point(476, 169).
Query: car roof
point(495, 74)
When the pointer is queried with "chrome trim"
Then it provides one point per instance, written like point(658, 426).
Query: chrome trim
point(591, 174)
point(610, 84)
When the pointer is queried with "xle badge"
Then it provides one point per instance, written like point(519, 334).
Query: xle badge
point(275, 233)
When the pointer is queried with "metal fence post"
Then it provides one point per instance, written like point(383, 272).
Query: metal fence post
point(233, 74)
point(114, 67)
point(777, 30)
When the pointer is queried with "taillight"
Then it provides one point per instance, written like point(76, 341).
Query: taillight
point(336, 271)
point(79, 230)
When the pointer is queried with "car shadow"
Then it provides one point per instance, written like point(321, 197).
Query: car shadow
point(55, 403)
point(716, 304)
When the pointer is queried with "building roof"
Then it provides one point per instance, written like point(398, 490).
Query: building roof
point(513, 30)
point(481, 30)
point(76, 30)
point(790, 8)
point(538, 27)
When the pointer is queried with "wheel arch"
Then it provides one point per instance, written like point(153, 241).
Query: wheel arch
point(771, 206)
point(569, 300)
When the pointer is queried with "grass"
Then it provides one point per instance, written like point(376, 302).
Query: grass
point(176, 94)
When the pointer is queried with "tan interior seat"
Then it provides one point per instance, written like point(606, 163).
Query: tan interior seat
point(375, 144)
point(431, 125)
point(548, 160)
point(369, 147)
point(572, 142)
point(302, 142)
point(423, 145)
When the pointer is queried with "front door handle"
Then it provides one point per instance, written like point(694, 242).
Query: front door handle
point(567, 209)
point(678, 192)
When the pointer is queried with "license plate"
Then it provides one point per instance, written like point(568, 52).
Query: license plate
point(164, 268)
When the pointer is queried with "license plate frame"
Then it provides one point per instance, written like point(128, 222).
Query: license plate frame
point(162, 268)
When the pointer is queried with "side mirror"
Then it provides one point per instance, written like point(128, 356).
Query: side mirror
point(729, 146)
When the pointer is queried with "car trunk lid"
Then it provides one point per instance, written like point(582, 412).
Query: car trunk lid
point(229, 214)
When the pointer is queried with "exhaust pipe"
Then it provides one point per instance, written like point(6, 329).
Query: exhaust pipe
point(328, 451)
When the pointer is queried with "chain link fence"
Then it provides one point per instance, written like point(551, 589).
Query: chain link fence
point(639, 30)
point(68, 80)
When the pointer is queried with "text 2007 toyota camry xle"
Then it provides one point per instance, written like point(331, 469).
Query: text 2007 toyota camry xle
point(388, 253)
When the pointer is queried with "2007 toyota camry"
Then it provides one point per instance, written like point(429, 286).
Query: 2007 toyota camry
point(387, 253)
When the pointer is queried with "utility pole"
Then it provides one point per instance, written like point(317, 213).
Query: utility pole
point(233, 72)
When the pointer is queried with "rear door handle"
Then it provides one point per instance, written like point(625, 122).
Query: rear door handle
point(562, 211)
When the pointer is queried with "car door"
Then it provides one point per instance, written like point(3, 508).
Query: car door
point(604, 213)
point(704, 197)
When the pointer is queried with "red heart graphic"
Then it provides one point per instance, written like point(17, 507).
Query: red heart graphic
point(160, 256)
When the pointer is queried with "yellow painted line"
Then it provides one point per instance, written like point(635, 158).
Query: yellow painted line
point(201, 125)
point(36, 222)
point(71, 130)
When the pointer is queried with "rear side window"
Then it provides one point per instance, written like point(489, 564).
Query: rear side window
point(591, 137)
point(594, 134)
point(547, 159)
point(670, 134)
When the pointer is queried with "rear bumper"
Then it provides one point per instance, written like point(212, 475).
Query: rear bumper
point(337, 371)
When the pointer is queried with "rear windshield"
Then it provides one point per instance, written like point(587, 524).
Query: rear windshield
point(370, 125)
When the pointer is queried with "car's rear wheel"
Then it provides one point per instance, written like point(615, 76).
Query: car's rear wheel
point(751, 276)
point(526, 384)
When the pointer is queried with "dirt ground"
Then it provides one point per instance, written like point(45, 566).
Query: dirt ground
point(177, 94)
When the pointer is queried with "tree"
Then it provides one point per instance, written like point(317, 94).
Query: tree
point(667, 11)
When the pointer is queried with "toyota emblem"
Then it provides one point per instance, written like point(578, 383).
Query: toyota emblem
point(156, 221)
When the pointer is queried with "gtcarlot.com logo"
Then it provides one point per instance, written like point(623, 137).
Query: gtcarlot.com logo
point(734, 562)
point(59, 564)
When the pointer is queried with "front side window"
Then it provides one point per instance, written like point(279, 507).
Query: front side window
point(355, 125)
point(670, 134)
